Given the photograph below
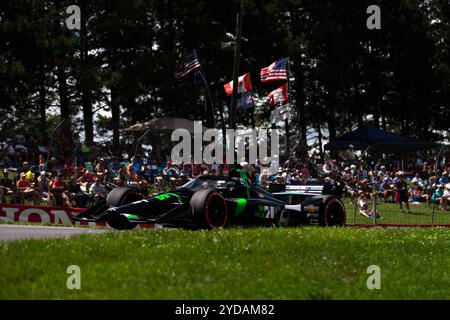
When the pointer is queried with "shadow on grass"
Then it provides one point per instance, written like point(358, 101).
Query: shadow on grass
point(418, 213)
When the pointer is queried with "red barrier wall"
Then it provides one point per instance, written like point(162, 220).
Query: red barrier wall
point(41, 214)
point(46, 215)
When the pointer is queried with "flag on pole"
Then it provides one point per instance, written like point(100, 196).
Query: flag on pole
point(280, 114)
point(191, 65)
point(278, 96)
point(244, 85)
point(245, 101)
point(276, 71)
point(199, 78)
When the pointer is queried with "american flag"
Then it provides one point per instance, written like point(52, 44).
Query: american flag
point(276, 71)
point(191, 65)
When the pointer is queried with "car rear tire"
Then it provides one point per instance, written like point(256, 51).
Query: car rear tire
point(209, 209)
point(333, 213)
point(119, 197)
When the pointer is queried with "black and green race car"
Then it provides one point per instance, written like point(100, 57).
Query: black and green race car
point(205, 202)
point(216, 201)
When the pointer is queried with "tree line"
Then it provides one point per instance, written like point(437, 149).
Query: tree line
point(124, 57)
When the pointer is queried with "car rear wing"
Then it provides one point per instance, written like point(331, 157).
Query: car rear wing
point(308, 190)
point(312, 190)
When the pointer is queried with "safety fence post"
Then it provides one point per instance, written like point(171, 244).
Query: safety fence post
point(374, 214)
point(374, 197)
point(432, 214)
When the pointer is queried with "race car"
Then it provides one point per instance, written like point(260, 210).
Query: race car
point(208, 202)
point(311, 205)
point(205, 202)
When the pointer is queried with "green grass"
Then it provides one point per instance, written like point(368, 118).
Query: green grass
point(271, 263)
point(420, 214)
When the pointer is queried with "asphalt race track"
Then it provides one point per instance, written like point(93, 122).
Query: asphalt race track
point(17, 232)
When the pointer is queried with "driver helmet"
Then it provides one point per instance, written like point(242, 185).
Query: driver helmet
point(236, 171)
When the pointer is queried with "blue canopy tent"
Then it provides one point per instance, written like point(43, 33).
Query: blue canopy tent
point(377, 140)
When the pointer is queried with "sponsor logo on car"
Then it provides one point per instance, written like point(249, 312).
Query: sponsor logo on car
point(311, 208)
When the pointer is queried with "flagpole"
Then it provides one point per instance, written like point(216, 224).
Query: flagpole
point(202, 72)
point(286, 122)
point(222, 120)
point(252, 113)
point(212, 105)
point(237, 53)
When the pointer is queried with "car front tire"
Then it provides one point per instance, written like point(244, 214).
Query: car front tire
point(209, 209)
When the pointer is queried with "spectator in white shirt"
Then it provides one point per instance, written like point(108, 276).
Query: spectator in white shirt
point(97, 189)
point(417, 180)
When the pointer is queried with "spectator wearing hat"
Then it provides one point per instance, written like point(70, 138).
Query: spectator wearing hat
point(386, 189)
point(25, 190)
point(171, 172)
point(334, 165)
point(86, 179)
point(438, 194)
point(444, 178)
point(365, 187)
point(397, 178)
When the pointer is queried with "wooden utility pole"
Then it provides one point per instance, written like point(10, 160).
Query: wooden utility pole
point(237, 54)
point(288, 149)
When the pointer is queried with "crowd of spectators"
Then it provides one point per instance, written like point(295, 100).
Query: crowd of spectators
point(85, 175)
